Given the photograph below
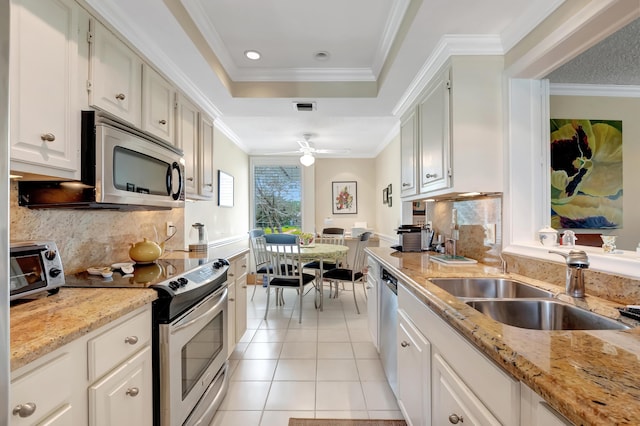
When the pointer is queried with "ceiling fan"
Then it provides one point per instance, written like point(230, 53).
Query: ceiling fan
point(307, 149)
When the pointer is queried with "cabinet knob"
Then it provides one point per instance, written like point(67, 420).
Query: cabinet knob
point(406, 184)
point(209, 185)
point(431, 175)
point(120, 97)
point(163, 122)
point(404, 344)
point(133, 391)
point(231, 299)
point(24, 410)
point(454, 419)
point(190, 179)
point(132, 340)
point(48, 137)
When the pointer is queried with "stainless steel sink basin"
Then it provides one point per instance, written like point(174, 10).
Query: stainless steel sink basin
point(489, 288)
point(544, 315)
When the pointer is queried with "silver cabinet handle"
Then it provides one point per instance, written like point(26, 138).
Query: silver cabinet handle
point(404, 344)
point(208, 184)
point(133, 391)
point(24, 410)
point(163, 122)
point(454, 419)
point(406, 184)
point(431, 175)
point(48, 137)
point(120, 97)
point(132, 340)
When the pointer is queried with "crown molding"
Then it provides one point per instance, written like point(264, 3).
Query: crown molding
point(222, 126)
point(537, 12)
point(396, 17)
point(605, 90)
point(449, 45)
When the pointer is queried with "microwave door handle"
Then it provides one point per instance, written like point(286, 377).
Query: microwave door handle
point(175, 166)
point(223, 299)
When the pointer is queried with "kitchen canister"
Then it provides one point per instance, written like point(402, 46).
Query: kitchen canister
point(548, 236)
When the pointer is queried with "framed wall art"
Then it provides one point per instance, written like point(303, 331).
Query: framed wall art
point(345, 197)
point(225, 189)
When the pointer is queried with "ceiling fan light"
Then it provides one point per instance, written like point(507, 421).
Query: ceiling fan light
point(307, 159)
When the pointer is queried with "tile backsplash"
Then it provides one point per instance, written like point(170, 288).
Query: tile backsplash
point(474, 216)
point(91, 237)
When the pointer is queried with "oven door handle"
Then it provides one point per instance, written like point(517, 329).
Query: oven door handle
point(223, 299)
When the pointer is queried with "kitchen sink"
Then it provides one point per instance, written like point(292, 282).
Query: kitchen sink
point(544, 315)
point(489, 288)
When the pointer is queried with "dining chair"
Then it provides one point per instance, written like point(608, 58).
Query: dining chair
point(356, 273)
point(260, 256)
point(285, 269)
point(328, 236)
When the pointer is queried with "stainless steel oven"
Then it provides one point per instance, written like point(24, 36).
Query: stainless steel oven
point(193, 361)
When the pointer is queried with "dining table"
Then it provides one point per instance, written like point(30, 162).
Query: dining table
point(321, 252)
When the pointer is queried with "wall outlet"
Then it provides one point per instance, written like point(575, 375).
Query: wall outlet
point(490, 233)
point(170, 229)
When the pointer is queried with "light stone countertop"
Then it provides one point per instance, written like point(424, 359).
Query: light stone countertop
point(44, 324)
point(591, 377)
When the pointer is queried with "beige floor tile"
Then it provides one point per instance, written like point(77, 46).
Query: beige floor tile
point(379, 395)
point(334, 350)
point(333, 335)
point(365, 350)
point(234, 418)
point(261, 350)
point(370, 370)
point(298, 350)
point(236, 398)
point(337, 370)
point(254, 370)
point(296, 369)
point(270, 335)
point(281, 418)
point(291, 396)
point(339, 396)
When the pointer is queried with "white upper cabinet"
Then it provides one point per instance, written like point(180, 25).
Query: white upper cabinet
point(187, 136)
point(206, 189)
point(158, 105)
point(408, 147)
point(435, 166)
point(115, 83)
point(457, 131)
point(45, 112)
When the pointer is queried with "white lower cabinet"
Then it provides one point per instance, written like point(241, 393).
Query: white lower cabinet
point(372, 289)
point(124, 396)
point(459, 384)
point(414, 373)
point(110, 384)
point(453, 401)
point(535, 411)
point(237, 307)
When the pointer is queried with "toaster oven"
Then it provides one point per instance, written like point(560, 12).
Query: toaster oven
point(34, 266)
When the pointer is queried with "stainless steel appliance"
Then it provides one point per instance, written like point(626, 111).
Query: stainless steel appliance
point(410, 238)
point(122, 168)
point(190, 341)
point(388, 328)
point(34, 266)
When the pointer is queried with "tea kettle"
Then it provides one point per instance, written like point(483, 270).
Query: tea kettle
point(146, 251)
point(198, 240)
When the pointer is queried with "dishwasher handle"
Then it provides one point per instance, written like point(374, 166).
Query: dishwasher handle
point(392, 286)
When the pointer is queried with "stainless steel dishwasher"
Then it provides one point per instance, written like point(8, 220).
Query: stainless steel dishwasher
point(388, 328)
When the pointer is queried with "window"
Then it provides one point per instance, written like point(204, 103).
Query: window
point(277, 194)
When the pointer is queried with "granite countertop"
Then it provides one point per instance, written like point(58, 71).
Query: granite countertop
point(41, 325)
point(44, 324)
point(591, 377)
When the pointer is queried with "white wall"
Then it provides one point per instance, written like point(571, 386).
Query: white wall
point(388, 172)
point(223, 222)
point(363, 171)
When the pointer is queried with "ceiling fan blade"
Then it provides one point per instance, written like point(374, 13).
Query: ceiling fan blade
point(279, 153)
point(304, 145)
point(332, 151)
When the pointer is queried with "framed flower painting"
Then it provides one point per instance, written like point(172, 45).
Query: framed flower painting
point(345, 197)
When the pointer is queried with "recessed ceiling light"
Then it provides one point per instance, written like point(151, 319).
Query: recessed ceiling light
point(254, 55)
point(322, 55)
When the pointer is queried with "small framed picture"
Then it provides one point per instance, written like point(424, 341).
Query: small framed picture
point(345, 197)
point(225, 189)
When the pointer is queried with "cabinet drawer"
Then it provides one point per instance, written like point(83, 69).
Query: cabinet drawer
point(47, 387)
point(118, 343)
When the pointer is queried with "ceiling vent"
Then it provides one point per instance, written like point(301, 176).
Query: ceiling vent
point(304, 106)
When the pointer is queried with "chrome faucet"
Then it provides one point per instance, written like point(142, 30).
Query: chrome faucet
point(577, 260)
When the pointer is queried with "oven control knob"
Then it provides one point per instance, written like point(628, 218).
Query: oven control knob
point(217, 264)
point(54, 272)
point(173, 285)
point(50, 254)
point(182, 281)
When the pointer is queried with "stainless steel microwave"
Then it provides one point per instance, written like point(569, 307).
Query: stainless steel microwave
point(34, 266)
point(122, 168)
